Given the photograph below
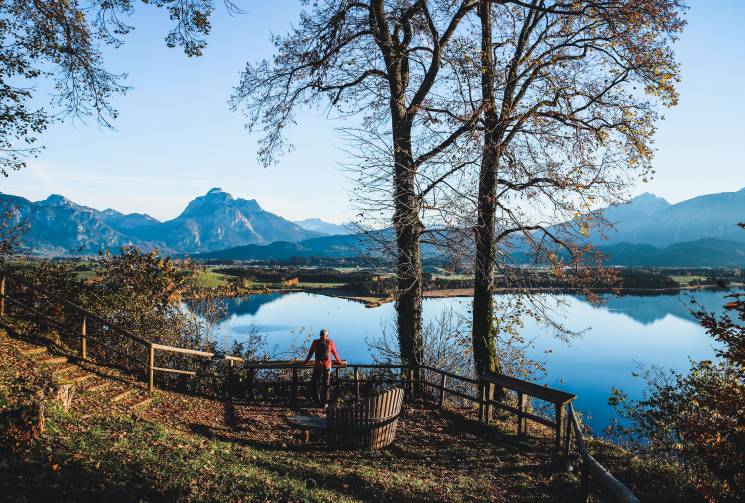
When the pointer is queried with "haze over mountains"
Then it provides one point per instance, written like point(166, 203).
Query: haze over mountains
point(648, 219)
point(648, 230)
point(318, 225)
point(216, 220)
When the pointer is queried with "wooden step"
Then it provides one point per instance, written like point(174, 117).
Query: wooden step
point(81, 378)
point(34, 351)
point(99, 386)
point(64, 369)
point(54, 360)
point(121, 396)
point(141, 404)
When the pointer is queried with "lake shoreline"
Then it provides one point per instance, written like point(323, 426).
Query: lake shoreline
point(373, 301)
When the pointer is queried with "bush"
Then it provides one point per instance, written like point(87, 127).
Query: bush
point(698, 419)
point(140, 292)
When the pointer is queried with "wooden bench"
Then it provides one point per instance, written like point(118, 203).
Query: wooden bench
point(369, 424)
point(490, 381)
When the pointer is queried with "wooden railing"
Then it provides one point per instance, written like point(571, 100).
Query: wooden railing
point(84, 314)
point(590, 467)
point(85, 337)
point(564, 424)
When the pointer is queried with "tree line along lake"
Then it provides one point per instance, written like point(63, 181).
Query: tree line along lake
point(620, 337)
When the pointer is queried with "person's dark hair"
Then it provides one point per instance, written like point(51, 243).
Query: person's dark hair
point(324, 332)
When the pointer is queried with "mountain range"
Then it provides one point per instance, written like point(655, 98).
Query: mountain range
point(651, 220)
point(648, 231)
point(216, 220)
point(318, 225)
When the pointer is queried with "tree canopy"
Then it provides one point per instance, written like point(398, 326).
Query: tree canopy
point(59, 42)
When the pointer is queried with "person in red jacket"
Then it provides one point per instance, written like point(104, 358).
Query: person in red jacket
point(322, 348)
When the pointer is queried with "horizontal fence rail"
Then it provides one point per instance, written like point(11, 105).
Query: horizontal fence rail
point(413, 379)
point(84, 335)
point(590, 466)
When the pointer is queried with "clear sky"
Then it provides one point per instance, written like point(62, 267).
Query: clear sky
point(175, 137)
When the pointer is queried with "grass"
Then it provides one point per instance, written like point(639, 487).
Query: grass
point(123, 458)
point(686, 280)
point(86, 275)
point(281, 286)
point(193, 449)
point(210, 279)
point(649, 479)
point(309, 284)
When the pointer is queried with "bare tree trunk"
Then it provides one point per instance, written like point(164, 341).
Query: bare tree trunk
point(484, 349)
point(408, 233)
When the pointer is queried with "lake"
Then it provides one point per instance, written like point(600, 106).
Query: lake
point(622, 335)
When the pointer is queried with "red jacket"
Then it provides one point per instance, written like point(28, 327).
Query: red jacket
point(327, 362)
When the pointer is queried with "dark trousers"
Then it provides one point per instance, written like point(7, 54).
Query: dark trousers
point(321, 379)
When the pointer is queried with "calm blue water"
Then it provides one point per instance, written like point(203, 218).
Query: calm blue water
point(621, 336)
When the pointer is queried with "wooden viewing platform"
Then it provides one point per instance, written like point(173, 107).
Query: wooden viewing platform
point(413, 379)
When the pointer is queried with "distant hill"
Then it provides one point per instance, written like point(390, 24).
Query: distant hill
point(318, 225)
point(127, 224)
point(702, 253)
point(648, 231)
point(340, 246)
point(650, 220)
point(216, 220)
point(57, 226)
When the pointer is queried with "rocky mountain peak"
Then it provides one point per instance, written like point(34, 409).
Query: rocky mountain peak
point(648, 203)
point(217, 192)
point(58, 200)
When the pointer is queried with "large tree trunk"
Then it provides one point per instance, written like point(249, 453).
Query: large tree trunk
point(484, 347)
point(408, 233)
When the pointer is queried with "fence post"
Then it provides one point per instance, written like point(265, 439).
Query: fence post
point(229, 383)
point(567, 435)
point(443, 380)
point(83, 340)
point(251, 384)
point(559, 425)
point(151, 369)
point(2, 299)
point(410, 378)
point(489, 391)
point(585, 484)
point(482, 396)
point(522, 423)
point(356, 383)
point(294, 387)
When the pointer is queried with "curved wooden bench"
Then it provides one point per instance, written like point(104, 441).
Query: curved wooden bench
point(370, 424)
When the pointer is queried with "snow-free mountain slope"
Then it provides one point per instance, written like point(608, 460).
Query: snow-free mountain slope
point(318, 225)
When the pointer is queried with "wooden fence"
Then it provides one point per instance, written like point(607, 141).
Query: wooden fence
point(441, 383)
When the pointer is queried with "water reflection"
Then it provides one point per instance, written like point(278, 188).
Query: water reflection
point(624, 334)
point(649, 309)
point(249, 305)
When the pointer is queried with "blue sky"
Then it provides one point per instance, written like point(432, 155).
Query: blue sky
point(175, 137)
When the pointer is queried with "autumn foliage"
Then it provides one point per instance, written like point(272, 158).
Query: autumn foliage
point(698, 419)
